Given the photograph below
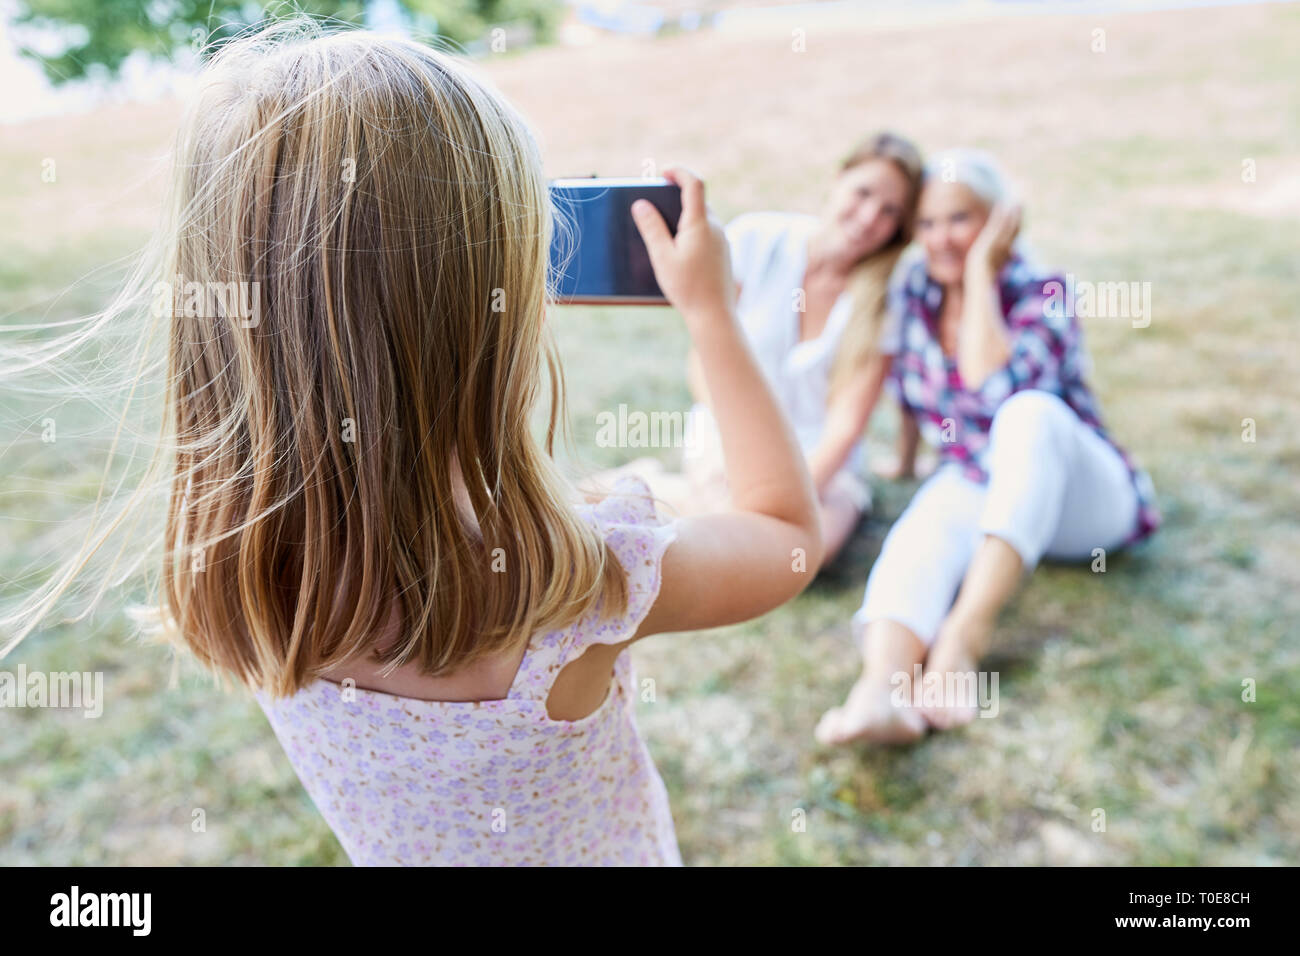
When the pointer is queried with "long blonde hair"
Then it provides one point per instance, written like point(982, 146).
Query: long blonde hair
point(383, 215)
point(868, 286)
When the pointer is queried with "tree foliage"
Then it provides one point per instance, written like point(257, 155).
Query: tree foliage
point(96, 36)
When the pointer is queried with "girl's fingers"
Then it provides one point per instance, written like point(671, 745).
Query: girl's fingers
point(653, 229)
point(692, 191)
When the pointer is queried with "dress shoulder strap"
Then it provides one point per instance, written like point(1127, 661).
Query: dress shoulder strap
point(638, 538)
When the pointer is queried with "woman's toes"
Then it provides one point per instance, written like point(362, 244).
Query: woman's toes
point(907, 725)
point(948, 691)
point(870, 715)
point(827, 730)
point(948, 717)
point(960, 716)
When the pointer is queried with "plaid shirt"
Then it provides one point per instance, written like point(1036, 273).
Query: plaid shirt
point(1046, 354)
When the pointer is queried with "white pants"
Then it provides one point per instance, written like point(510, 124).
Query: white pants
point(1055, 489)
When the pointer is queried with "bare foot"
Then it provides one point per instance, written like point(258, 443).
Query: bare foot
point(869, 714)
point(949, 690)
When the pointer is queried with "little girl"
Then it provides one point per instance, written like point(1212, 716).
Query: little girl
point(363, 528)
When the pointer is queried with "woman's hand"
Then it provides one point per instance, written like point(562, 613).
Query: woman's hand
point(693, 267)
point(983, 345)
point(992, 247)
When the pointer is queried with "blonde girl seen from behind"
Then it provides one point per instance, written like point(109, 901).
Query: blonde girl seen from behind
point(361, 526)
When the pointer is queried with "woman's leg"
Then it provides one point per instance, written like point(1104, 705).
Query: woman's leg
point(699, 487)
point(872, 713)
point(990, 581)
point(1055, 487)
point(910, 587)
point(846, 499)
point(1101, 503)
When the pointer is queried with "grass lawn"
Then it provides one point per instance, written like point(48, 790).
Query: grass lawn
point(1120, 692)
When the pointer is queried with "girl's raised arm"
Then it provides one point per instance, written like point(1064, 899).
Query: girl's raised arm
point(731, 566)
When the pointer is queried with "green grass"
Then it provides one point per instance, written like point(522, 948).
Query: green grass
point(1121, 693)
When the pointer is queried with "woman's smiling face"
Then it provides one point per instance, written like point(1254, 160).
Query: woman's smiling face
point(867, 206)
point(948, 219)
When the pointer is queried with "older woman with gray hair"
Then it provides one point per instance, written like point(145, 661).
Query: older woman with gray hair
point(991, 369)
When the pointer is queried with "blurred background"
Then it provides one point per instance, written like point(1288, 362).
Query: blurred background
point(1154, 142)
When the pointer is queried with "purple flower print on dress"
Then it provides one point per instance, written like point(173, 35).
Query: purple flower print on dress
point(400, 778)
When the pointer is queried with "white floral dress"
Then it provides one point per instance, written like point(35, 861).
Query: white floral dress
point(403, 781)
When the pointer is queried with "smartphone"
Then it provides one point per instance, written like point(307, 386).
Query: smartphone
point(597, 256)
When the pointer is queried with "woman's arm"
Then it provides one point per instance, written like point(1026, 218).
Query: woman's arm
point(909, 439)
point(983, 345)
point(846, 420)
point(729, 567)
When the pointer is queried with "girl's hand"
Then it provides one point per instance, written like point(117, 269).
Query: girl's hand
point(992, 247)
point(694, 267)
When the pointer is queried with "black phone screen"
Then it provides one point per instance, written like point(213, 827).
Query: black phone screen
point(597, 255)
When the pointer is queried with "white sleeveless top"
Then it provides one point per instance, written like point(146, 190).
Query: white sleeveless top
point(769, 254)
